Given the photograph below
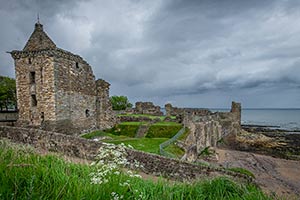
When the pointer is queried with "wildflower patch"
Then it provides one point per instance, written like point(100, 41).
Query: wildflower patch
point(109, 163)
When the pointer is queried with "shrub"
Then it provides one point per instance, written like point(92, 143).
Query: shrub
point(120, 102)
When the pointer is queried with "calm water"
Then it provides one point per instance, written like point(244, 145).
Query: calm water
point(285, 118)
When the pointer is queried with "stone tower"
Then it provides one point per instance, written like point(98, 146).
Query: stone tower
point(56, 90)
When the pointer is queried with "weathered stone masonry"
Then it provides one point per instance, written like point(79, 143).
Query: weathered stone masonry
point(56, 90)
point(207, 130)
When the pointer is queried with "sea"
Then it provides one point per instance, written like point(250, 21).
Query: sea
point(287, 119)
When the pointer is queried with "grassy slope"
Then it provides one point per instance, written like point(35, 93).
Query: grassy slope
point(163, 129)
point(25, 175)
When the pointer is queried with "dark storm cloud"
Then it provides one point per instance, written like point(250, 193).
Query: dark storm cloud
point(173, 50)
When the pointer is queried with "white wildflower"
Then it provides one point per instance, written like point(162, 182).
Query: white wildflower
point(110, 159)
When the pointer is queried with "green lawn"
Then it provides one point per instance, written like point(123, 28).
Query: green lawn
point(125, 133)
point(150, 145)
point(26, 175)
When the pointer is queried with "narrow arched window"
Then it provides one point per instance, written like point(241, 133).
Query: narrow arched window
point(87, 113)
point(42, 116)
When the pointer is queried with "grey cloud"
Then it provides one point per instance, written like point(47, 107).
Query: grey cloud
point(174, 50)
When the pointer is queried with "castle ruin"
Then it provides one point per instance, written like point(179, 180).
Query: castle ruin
point(57, 90)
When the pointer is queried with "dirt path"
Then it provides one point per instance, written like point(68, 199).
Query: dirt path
point(273, 175)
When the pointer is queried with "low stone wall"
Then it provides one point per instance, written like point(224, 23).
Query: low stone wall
point(124, 118)
point(87, 149)
point(8, 116)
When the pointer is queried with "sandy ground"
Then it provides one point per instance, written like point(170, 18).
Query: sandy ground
point(273, 175)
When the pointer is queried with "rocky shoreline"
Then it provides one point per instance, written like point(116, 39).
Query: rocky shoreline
point(271, 141)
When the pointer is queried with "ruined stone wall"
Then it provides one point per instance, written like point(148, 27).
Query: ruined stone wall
point(75, 94)
point(35, 77)
point(147, 108)
point(87, 149)
point(105, 116)
point(8, 115)
point(8, 118)
point(236, 110)
point(206, 131)
point(174, 111)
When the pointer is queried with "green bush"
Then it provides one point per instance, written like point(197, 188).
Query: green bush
point(120, 102)
point(163, 130)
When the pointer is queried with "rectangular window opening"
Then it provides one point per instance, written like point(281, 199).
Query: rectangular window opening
point(33, 100)
point(32, 77)
point(42, 75)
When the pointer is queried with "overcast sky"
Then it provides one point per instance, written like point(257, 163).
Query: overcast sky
point(201, 53)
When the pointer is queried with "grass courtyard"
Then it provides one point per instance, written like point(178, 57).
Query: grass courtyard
point(125, 133)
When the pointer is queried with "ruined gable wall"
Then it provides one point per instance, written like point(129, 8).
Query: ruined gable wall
point(75, 95)
point(43, 87)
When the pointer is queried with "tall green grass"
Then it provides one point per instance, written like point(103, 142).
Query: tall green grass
point(26, 175)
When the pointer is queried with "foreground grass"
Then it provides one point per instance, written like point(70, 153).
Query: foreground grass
point(26, 175)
